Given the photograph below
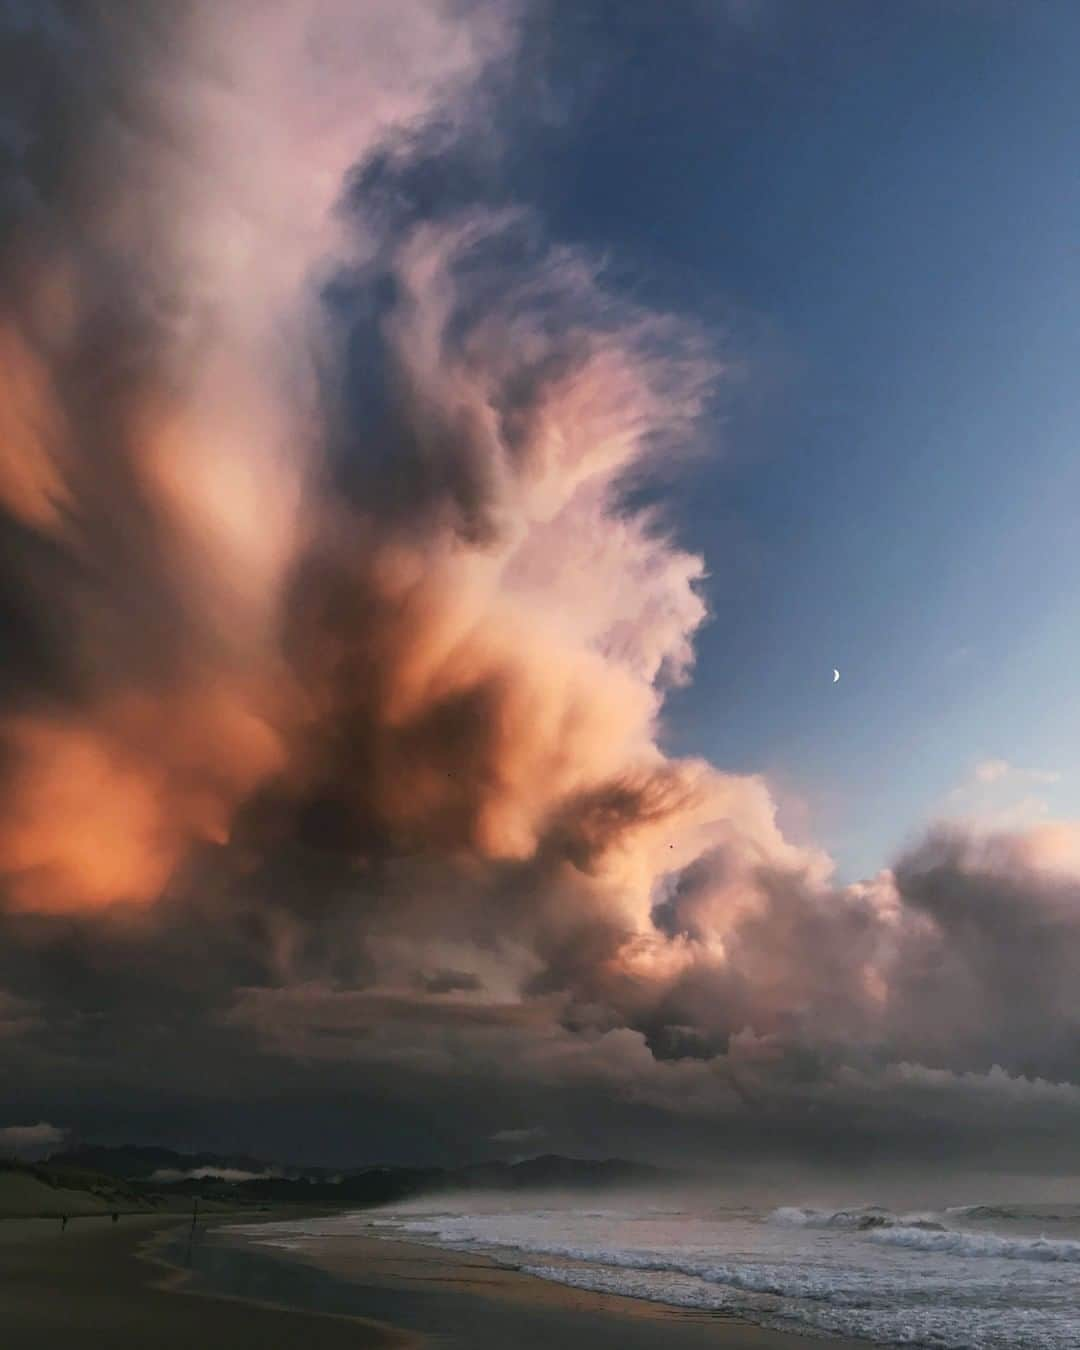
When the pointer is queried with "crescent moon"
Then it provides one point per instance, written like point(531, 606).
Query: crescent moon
point(835, 675)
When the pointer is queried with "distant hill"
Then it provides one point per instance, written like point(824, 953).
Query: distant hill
point(245, 1180)
point(136, 1162)
point(34, 1190)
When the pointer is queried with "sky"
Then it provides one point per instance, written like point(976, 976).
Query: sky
point(877, 201)
point(445, 448)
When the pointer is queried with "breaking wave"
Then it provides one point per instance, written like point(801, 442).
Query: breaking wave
point(980, 1244)
point(923, 1233)
point(869, 1216)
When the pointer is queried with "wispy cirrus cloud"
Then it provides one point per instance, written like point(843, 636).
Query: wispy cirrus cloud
point(996, 794)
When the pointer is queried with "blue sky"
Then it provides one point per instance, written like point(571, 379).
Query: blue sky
point(874, 207)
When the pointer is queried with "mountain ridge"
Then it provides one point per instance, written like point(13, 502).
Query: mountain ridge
point(256, 1181)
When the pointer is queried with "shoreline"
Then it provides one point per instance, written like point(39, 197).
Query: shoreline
point(470, 1300)
point(154, 1281)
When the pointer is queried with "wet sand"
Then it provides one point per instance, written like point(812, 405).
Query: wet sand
point(88, 1287)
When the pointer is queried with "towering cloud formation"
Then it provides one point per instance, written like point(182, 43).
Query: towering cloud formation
point(339, 646)
point(166, 223)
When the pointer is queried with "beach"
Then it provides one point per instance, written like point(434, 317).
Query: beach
point(144, 1283)
point(956, 1276)
point(96, 1285)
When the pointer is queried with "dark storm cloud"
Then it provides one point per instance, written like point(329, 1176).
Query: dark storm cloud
point(993, 976)
point(778, 1064)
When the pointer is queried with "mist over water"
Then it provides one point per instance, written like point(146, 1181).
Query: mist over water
point(919, 1265)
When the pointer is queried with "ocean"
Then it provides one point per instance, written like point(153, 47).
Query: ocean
point(969, 1277)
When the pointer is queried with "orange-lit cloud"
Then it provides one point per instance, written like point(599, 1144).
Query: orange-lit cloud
point(31, 480)
point(103, 811)
point(159, 418)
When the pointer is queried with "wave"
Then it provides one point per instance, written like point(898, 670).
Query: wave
point(1000, 1212)
point(841, 1287)
point(955, 1243)
point(778, 1280)
point(921, 1233)
point(941, 1324)
point(1014, 1213)
point(867, 1217)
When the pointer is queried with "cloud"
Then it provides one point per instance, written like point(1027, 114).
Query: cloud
point(990, 770)
point(163, 256)
point(17, 1015)
point(527, 1135)
point(227, 1174)
point(30, 1141)
point(343, 620)
point(997, 770)
point(998, 795)
point(992, 978)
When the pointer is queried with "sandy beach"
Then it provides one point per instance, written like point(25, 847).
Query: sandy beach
point(88, 1286)
point(145, 1283)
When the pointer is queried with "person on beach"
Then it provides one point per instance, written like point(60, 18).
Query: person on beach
point(115, 1217)
point(63, 1222)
